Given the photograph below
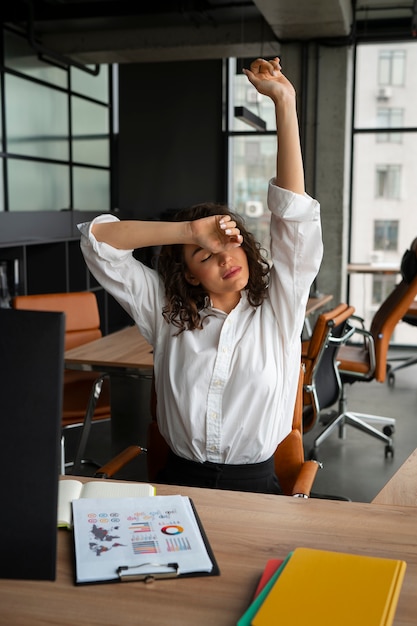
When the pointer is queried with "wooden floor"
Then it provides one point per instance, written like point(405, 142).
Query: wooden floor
point(354, 467)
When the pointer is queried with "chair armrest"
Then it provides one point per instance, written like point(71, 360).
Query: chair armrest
point(118, 462)
point(304, 483)
point(360, 320)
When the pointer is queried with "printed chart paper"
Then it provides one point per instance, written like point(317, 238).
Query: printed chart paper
point(148, 531)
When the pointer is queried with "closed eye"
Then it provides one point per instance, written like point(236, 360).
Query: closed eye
point(206, 258)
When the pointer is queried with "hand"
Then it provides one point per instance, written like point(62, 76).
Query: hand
point(215, 233)
point(267, 78)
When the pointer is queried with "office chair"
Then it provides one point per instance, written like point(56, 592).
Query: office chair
point(322, 384)
point(409, 271)
point(410, 318)
point(86, 395)
point(367, 360)
point(295, 474)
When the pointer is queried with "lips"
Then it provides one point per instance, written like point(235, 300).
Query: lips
point(232, 272)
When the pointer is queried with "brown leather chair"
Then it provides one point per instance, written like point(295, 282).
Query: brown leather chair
point(295, 474)
point(322, 384)
point(409, 271)
point(368, 360)
point(83, 391)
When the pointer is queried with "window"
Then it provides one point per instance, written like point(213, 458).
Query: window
point(252, 155)
point(388, 181)
point(386, 235)
point(384, 165)
point(391, 67)
point(382, 285)
point(389, 118)
point(57, 132)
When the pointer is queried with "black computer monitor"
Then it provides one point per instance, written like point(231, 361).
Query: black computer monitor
point(31, 382)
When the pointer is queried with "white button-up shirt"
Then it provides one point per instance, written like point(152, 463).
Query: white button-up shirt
point(225, 393)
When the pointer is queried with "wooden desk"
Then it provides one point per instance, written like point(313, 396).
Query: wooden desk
point(244, 530)
point(401, 489)
point(128, 359)
point(372, 268)
point(314, 304)
point(124, 350)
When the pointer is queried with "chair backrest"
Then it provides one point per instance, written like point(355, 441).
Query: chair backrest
point(322, 384)
point(392, 310)
point(82, 319)
point(289, 455)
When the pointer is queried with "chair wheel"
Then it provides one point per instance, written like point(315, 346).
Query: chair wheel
point(388, 430)
point(391, 379)
point(389, 451)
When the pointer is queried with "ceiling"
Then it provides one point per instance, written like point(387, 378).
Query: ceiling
point(125, 31)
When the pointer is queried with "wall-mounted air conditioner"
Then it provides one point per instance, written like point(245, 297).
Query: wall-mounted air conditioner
point(254, 208)
point(384, 93)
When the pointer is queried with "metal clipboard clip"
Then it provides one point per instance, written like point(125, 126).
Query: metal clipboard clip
point(125, 572)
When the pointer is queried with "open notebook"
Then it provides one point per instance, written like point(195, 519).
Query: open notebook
point(31, 377)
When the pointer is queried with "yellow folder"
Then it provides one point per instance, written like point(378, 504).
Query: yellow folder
point(323, 588)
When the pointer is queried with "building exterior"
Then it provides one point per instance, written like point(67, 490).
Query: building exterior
point(384, 175)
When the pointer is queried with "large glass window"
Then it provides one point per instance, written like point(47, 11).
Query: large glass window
point(252, 154)
point(36, 120)
point(389, 118)
point(388, 181)
point(91, 189)
point(55, 120)
point(90, 132)
point(47, 184)
point(391, 66)
point(386, 235)
point(384, 181)
point(90, 85)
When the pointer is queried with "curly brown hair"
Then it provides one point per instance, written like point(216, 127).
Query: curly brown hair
point(185, 301)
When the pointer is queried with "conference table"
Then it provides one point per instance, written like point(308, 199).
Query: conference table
point(127, 358)
point(244, 531)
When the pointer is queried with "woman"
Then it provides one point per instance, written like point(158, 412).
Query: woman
point(225, 329)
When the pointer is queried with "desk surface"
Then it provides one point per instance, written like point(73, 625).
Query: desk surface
point(401, 489)
point(244, 530)
point(372, 268)
point(314, 304)
point(126, 348)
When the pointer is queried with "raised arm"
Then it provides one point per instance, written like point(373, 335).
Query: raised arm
point(267, 78)
point(214, 233)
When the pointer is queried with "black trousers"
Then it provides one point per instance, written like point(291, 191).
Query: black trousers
point(255, 477)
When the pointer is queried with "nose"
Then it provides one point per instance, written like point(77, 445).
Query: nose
point(224, 257)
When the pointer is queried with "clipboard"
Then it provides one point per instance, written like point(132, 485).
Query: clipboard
point(149, 569)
